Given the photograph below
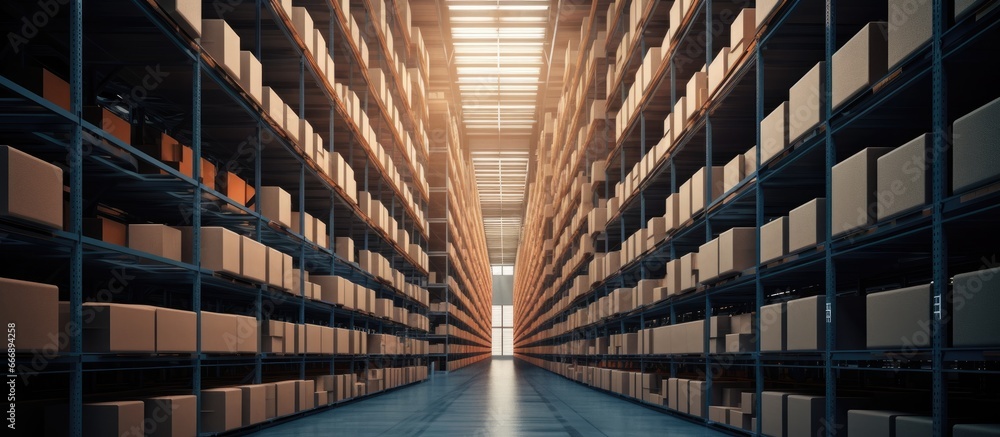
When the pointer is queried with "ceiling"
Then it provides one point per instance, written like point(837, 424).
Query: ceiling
point(494, 59)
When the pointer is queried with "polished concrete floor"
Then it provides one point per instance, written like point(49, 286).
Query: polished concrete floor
point(498, 397)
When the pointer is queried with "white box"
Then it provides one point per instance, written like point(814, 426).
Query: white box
point(250, 75)
point(910, 25)
point(807, 102)
point(976, 147)
point(902, 178)
point(733, 173)
point(896, 318)
point(708, 255)
point(853, 190)
point(860, 63)
point(807, 225)
point(737, 250)
point(774, 239)
point(222, 44)
point(774, 133)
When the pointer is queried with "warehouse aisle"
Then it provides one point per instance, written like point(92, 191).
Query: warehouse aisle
point(498, 397)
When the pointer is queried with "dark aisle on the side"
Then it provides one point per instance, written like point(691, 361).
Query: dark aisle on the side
point(498, 397)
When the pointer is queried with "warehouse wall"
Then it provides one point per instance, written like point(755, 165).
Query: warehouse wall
point(503, 289)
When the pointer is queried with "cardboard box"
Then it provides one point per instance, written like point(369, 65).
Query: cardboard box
point(309, 229)
point(739, 343)
point(733, 173)
point(115, 126)
point(253, 259)
point(914, 426)
point(223, 44)
point(254, 402)
point(976, 430)
point(186, 13)
point(807, 225)
point(740, 419)
point(748, 403)
point(250, 75)
point(285, 398)
point(854, 185)
point(774, 239)
point(872, 423)
point(345, 248)
point(319, 233)
point(708, 267)
point(772, 327)
point(975, 138)
point(220, 249)
point(718, 414)
point(34, 309)
point(764, 10)
point(860, 63)
point(743, 30)
point(175, 331)
point(684, 202)
point(896, 318)
point(159, 240)
point(30, 189)
point(174, 415)
point(221, 409)
point(774, 413)
point(975, 322)
point(804, 414)
point(902, 177)
point(276, 205)
point(910, 26)
point(718, 70)
point(118, 328)
point(689, 272)
point(807, 102)
point(697, 92)
point(304, 390)
point(275, 269)
point(273, 105)
point(218, 333)
point(774, 133)
point(106, 230)
point(806, 323)
point(736, 250)
point(706, 177)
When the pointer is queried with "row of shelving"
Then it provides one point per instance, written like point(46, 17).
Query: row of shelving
point(209, 221)
point(459, 261)
point(843, 260)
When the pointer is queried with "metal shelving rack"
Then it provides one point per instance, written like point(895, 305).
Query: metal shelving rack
point(103, 47)
point(924, 93)
point(462, 294)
